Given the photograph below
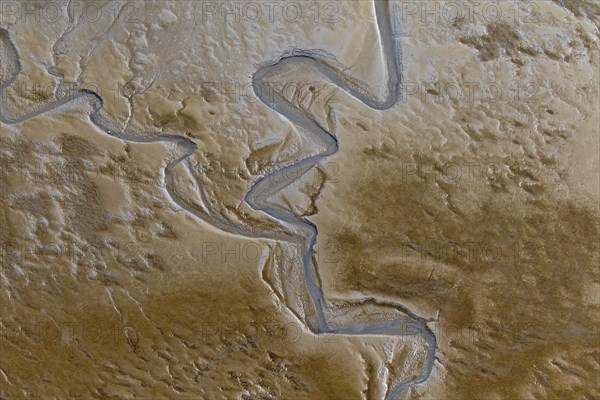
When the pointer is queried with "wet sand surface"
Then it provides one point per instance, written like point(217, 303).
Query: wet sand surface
point(370, 200)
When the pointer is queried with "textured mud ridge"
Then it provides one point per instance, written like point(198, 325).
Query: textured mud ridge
point(401, 202)
point(304, 232)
